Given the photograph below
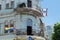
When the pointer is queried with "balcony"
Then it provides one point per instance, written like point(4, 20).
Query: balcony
point(27, 10)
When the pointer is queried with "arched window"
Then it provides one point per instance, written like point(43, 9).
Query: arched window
point(12, 4)
point(6, 26)
point(11, 26)
point(29, 22)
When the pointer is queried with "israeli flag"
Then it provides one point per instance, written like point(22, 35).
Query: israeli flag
point(44, 12)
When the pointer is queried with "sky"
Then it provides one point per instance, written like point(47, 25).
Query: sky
point(53, 14)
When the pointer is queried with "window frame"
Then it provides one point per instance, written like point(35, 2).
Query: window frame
point(29, 3)
point(12, 4)
point(7, 5)
point(0, 6)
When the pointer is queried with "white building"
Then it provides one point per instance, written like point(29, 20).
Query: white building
point(20, 14)
point(48, 32)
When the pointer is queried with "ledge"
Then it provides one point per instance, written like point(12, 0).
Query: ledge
point(27, 10)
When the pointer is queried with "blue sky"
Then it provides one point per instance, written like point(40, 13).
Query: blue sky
point(53, 14)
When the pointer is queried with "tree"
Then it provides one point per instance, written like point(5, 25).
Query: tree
point(56, 34)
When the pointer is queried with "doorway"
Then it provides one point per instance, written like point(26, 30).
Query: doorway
point(29, 27)
point(29, 30)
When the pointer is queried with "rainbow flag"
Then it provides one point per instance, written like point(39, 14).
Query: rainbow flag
point(7, 28)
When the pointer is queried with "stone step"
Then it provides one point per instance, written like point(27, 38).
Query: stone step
point(21, 37)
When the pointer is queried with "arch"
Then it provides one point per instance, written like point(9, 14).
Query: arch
point(29, 22)
point(29, 27)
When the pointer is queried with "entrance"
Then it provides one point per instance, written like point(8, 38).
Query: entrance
point(29, 30)
point(29, 27)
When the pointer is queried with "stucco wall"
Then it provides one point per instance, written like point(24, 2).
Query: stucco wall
point(21, 22)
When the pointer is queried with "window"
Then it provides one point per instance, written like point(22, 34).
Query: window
point(0, 7)
point(6, 29)
point(11, 26)
point(29, 3)
point(7, 6)
point(12, 4)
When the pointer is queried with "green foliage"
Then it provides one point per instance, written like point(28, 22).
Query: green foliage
point(56, 34)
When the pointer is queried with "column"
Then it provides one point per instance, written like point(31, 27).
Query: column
point(38, 24)
point(3, 4)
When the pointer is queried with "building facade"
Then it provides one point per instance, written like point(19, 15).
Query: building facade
point(23, 15)
point(48, 32)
